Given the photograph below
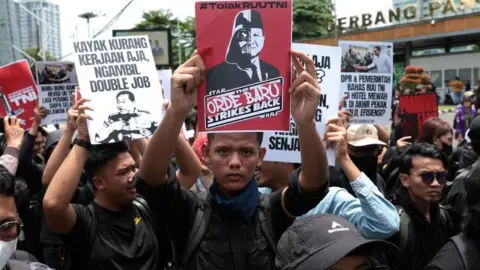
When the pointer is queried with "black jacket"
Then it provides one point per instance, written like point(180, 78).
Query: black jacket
point(427, 238)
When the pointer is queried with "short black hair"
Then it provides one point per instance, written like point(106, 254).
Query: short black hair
point(131, 96)
point(192, 118)
point(419, 149)
point(211, 137)
point(378, 48)
point(12, 187)
point(101, 154)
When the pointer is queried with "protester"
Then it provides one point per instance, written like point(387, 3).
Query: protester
point(424, 227)
point(463, 250)
point(457, 86)
point(463, 116)
point(325, 242)
point(373, 216)
point(208, 230)
point(11, 199)
point(439, 133)
point(364, 147)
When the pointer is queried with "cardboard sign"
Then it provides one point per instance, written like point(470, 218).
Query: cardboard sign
point(367, 78)
point(18, 92)
point(246, 49)
point(285, 147)
point(120, 78)
point(415, 110)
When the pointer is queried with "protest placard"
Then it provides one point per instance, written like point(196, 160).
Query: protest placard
point(18, 92)
point(415, 110)
point(367, 78)
point(120, 78)
point(246, 49)
point(285, 147)
point(56, 84)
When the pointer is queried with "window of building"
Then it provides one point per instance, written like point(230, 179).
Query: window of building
point(425, 52)
point(450, 75)
point(436, 77)
point(476, 76)
point(465, 75)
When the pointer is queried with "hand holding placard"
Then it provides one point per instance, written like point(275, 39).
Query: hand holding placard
point(185, 82)
point(305, 90)
point(336, 136)
point(82, 119)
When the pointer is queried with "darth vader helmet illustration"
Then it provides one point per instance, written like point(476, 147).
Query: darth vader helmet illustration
point(247, 38)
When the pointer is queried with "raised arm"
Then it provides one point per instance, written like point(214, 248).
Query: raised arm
point(190, 165)
point(60, 215)
point(161, 146)
point(305, 97)
point(62, 149)
point(14, 137)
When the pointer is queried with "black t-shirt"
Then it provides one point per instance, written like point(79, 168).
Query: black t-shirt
point(124, 240)
point(178, 206)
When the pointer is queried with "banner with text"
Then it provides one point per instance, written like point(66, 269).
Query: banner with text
point(246, 49)
point(18, 92)
point(285, 147)
point(415, 110)
point(56, 84)
point(367, 78)
point(120, 78)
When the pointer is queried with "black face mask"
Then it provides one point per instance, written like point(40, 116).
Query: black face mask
point(366, 164)
point(447, 149)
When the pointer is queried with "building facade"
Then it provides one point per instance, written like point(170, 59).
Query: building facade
point(9, 32)
point(33, 33)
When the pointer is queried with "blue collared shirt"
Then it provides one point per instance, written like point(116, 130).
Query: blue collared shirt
point(370, 212)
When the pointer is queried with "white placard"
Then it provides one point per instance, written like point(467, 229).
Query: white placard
point(285, 147)
point(120, 78)
point(57, 99)
point(367, 78)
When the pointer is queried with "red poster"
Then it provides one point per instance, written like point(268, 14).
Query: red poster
point(246, 49)
point(18, 92)
point(415, 110)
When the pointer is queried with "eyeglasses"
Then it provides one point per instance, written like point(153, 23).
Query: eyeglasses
point(428, 177)
point(10, 230)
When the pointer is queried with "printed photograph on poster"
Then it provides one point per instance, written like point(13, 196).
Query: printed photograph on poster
point(367, 79)
point(160, 41)
point(285, 146)
point(246, 49)
point(119, 76)
point(18, 92)
point(57, 99)
point(56, 73)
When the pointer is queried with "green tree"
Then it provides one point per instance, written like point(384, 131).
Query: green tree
point(311, 18)
point(183, 32)
point(34, 53)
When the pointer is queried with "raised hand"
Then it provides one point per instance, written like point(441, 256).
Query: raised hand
point(185, 82)
point(13, 132)
point(336, 136)
point(305, 91)
point(81, 120)
point(72, 115)
point(404, 141)
point(40, 112)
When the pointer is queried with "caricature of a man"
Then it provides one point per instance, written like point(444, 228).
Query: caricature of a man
point(242, 65)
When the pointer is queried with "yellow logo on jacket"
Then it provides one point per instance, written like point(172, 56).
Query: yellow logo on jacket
point(136, 220)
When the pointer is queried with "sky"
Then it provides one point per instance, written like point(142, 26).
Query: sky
point(74, 28)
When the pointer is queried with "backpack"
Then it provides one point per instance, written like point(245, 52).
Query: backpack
point(407, 230)
point(145, 212)
point(202, 220)
point(468, 251)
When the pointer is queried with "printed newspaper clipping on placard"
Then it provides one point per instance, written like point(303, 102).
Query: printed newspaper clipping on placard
point(246, 49)
point(285, 147)
point(18, 92)
point(56, 84)
point(120, 78)
point(367, 78)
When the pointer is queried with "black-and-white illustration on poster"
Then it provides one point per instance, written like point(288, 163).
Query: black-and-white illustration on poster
point(120, 78)
point(56, 73)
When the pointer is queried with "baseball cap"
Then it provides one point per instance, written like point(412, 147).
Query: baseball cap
point(363, 135)
point(474, 132)
point(319, 241)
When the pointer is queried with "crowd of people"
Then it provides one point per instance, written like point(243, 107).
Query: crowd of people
point(214, 203)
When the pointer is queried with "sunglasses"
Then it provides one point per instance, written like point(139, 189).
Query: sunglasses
point(10, 230)
point(428, 177)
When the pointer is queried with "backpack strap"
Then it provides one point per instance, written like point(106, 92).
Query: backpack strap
point(200, 225)
point(405, 234)
point(468, 251)
point(265, 220)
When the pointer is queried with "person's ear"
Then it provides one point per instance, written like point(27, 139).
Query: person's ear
point(404, 180)
point(261, 156)
point(99, 183)
point(206, 154)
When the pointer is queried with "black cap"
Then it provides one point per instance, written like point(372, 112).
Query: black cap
point(474, 133)
point(319, 241)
